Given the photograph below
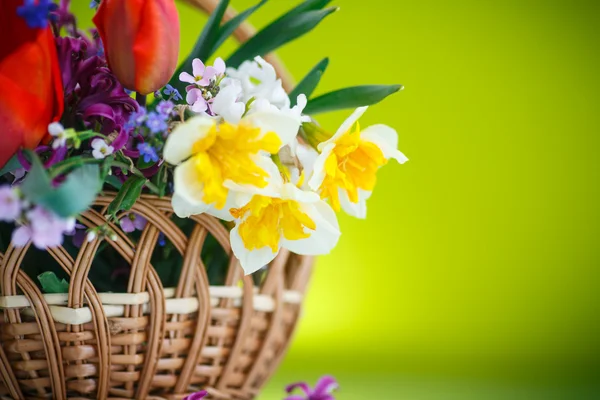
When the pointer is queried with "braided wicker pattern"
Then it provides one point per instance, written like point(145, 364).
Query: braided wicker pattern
point(229, 348)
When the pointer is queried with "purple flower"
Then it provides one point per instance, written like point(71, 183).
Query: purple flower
point(322, 391)
point(172, 93)
point(147, 152)
point(162, 241)
point(91, 90)
point(196, 396)
point(10, 204)
point(195, 98)
point(202, 74)
point(165, 108)
point(36, 14)
point(45, 229)
point(131, 222)
point(156, 122)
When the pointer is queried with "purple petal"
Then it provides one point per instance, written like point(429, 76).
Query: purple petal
point(219, 65)
point(139, 222)
point(199, 106)
point(197, 67)
point(326, 385)
point(127, 224)
point(186, 77)
point(21, 236)
point(121, 140)
point(300, 385)
point(209, 73)
point(295, 397)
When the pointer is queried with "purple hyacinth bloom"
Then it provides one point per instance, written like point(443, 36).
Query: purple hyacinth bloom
point(156, 122)
point(91, 89)
point(10, 204)
point(131, 222)
point(196, 396)
point(165, 108)
point(322, 391)
point(36, 14)
point(147, 152)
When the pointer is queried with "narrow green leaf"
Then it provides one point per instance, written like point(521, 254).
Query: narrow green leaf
point(37, 183)
point(230, 26)
point(51, 284)
point(276, 35)
point(307, 5)
point(310, 81)
point(351, 97)
point(114, 182)
point(127, 196)
point(204, 44)
point(11, 165)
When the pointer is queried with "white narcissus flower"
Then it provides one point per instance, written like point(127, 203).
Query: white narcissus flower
point(211, 157)
point(259, 80)
point(280, 216)
point(100, 149)
point(345, 170)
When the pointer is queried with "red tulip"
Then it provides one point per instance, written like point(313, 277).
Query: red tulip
point(141, 41)
point(31, 93)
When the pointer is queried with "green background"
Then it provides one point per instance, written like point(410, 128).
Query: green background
point(475, 275)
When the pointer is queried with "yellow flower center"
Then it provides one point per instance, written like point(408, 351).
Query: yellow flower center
point(226, 153)
point(269, 219)
point(352, 165)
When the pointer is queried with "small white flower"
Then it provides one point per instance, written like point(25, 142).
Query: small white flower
point(227, 103)
point(101, 149)
point(91, 236)
point(259, 80)
point(56, 130)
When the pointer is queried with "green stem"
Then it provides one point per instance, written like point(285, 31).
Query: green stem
point(141, 99)
point(137, 172)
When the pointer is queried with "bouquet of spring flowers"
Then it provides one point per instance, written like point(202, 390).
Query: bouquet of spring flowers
point(110, 110)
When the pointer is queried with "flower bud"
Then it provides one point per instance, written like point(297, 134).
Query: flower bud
point(141, 41)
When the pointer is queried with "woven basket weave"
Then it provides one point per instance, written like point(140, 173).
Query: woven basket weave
point(151, 342)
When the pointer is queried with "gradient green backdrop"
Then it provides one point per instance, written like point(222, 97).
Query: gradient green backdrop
point(475, 275)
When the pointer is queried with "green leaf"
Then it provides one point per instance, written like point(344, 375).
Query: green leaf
point(351, 97)
point(114, 182)
point(277, 34)
point(307, 5)
point(11, 165)
point(51, 284)
point(310, 81)
point(72, 197)
point(230, 26)
point(127, 196)
point(204, 44)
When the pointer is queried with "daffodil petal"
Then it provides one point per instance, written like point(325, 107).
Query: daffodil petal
point(251, 261)
point(318, 173)
point(386, 139)
point(357, 210)
point(274, 181)
point(290, 191)
point(324, 238)
point(345, 127)
point(234, 200)
point(180, 142)
point(183, 208)
point(284, 125)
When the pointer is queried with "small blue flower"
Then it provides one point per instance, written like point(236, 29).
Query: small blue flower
point(93, 4)
point(136, 119)
point(128, 91)
point(147, 152)
point(162, 240)
point(36, 15)
point(156, 122)
point(173, 93)
point(165, 108)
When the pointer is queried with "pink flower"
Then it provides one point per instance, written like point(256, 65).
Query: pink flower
point(131, 222)
point(196, 396)
point(203, 75)
point(45, 229)
point(322, 391)
point(196, 99)
point(10, 204)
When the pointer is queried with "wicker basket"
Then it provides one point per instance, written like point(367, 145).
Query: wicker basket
point(151, 342)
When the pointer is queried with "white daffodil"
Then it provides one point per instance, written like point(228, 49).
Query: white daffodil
point(345, 170)
point(212, 157)
point(281, 216)
point(259, 81)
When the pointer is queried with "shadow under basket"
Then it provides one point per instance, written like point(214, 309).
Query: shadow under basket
point(150, 342)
